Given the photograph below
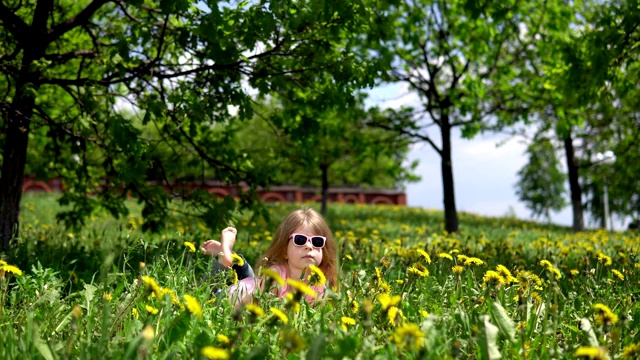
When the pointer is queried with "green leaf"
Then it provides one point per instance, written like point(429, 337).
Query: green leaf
point(487, 339)
point(504, 322)
point(316, 348)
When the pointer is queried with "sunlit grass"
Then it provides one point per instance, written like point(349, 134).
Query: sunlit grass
point(500, 287)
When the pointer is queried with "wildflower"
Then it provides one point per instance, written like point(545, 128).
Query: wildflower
point(424, 254)
point(462, 258)
point(223, 339)
point(142, 265)
point(491, 275)
point(291, 341)
point(384, 287)
point(192, 248)
point(148, 333)
point(349, 257)
point(506, 274)
point(345, 321)
point(528, 279)
point(317, 277)
point(445, 256)
point(280, 315)
point(237, 260)
point(399, 281)
point(232, 276)
point(10, 269)
point(152, 286)
point(408, 335)
point(255, 310)
point(210, 301)
point(76, 313)
point(107, 296)
point(354, 306)
point(618, 274)
point(473, 261)
point(394, 315)
point(388, 301)
point(457, 269)
point(292, 303)
point(418, 269)
point(631, 352)
point(546, 264)
point(151, 309)
point(604, 259)
point(574, 272)
point(377, 276)
point(591, 352)
point(604, 315)
point(273, 275)
point(174, 298)
point(134, 313)
point(193, 306)
point(302, 288)
point(214, 353)
point(555, 272)
point(424, 313)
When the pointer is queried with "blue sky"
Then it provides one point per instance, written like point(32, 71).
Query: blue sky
point(484, 173)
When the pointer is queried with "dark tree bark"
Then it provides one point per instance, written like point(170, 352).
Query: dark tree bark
point(450, 212)
point(574, 184)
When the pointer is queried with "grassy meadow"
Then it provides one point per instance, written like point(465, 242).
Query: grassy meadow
point(501, 288)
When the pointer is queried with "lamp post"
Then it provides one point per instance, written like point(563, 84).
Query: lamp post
point(608, 157)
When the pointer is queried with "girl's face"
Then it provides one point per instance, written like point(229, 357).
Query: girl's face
point(300, 257)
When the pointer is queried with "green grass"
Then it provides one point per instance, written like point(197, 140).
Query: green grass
point(82, 293)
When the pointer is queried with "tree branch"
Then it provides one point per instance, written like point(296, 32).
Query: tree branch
point(79, 20)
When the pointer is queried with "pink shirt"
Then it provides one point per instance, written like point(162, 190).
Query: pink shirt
point(241, 292)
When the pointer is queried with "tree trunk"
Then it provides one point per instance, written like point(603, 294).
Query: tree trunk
point(325, 188)
point(574, 184)
point(13, 163)
point(450, 212)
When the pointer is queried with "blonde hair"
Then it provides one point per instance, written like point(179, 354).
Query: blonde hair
point(277, 252)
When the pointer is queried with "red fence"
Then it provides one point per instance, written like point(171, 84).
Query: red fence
point(273, 194)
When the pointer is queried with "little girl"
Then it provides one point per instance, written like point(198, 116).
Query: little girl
point(302, 239)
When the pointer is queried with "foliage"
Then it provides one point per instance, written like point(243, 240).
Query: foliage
point(499, 287)
point(541, 181)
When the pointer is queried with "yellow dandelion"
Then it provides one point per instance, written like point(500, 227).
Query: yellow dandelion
point(473, 261)
point(494, 276)
point(11, 269)
point(631, 352)
point(408, 335)
point(457, 269)
point(237, 260)
point(527, 279)
point(604, 315)
point(255, 310)
point(214, 353)
point(574, 272)
point(280, 315)
point(134, 313)
point(388, 301)
point(291, 341)
point(152, 286)
point(193, 305)
point(316, 278)
point(604, 259)
point(151, 309)
point(302, 288)
point(445, 256)
point(419, 270)
point(76, 313)
point(190, 246)
point(618, 274)
point(354, 306)
point(346, 322)
point(273, 275)
point(107, 297)
point(223, 339)
point(506, 274)
point(462, 258)
point(384, 287)
point(148, 333)
point(424, 254)
point(555, 272)
point(546, 264)
point(424, 313)
point(591, 352)
point(394, 315)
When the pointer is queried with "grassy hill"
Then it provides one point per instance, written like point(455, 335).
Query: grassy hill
point(409, 290)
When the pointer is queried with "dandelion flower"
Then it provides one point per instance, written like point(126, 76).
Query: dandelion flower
point(107, 296)
point(354, 306)
point(424, 254)
point(604, 259)
point(445, 256)
point(618, 274)
point(152, 286)
point(457, 269)
point(346, 321)
point(214, 353)
point(151, 309)
point(462, 258)
point(491, 275)
point(193, 306)
point(388, 301)
point(419, 270)
point(223, 339)
point(280, 315)
point(190, 246)
point(134, 313)
point(473, 261)
point(591, 352)
point(394, 315)
point(237, 260)
point(302, 288)
point(291, 341)
point(506, 274)
point(256, 310)
point(604, 315)
point(11, 268)
point(408, 335)
point(574, 272)
point(631, 352)
point(317, 277)
point(148, 333)
point(273, 275)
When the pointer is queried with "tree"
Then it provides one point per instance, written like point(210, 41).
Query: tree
point(541, 181)
point(463, 59)
point(68, 66)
